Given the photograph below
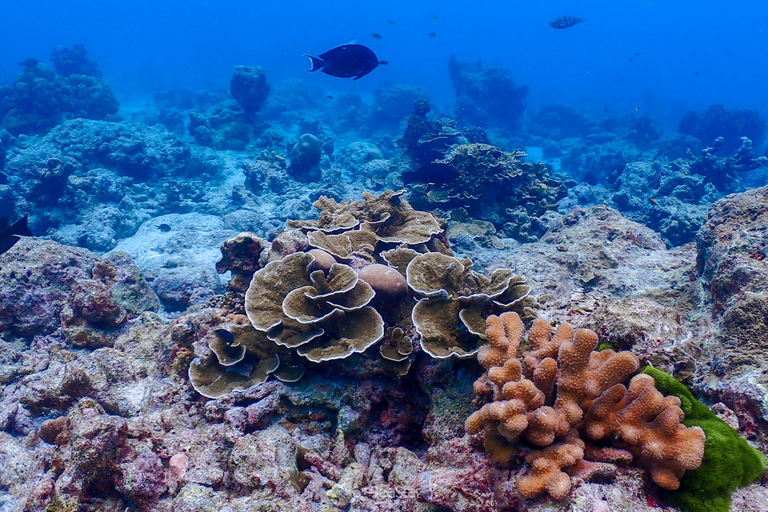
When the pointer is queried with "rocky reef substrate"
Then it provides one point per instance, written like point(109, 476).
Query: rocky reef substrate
point(98, 412)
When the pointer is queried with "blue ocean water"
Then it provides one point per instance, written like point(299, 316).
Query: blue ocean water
point(658, 57)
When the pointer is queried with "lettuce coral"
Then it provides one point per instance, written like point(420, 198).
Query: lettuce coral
point(364, 274)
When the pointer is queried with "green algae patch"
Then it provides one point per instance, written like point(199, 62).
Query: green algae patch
point(606, 346)
point(729, 461)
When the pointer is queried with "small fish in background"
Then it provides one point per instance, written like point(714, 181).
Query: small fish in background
point(566, 21)
point(436, 17)
point(390, 22)
point(376, 36)
point(330, 97)
point(435, 172)
point(432, 34)
point(637, 54)
point(655, 180)
point(10, 234)
point(346, 61)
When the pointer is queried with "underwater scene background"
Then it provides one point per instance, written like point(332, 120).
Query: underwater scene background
point(353, 256)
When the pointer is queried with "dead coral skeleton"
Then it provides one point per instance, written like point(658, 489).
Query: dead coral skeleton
point(561, 394)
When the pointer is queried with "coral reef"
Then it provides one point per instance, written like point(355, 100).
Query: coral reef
point(668, 197)
point(486, 95)
point(365, 273)
point(345, 435)
point(305, 159)
point(640, 130)
point(391, 106)
point(730, 124)
point(557, 121)
point(41, 99)
point(733, 268)
point(222, 129)
point(492, 185)
point(599, 159)
point(73, 61)
point(426, 140)
point(249, 87)
point(49, 288)
point(723, 172)
point(93, 182)
point(135, 379)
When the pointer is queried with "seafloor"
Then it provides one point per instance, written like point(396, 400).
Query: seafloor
point(122, 381)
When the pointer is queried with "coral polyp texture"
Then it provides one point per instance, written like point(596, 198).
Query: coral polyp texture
point(563, 395)
point(365, 273)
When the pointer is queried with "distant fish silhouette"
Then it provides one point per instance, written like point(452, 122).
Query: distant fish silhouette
point(432, 34)
point(436, 17)
point(390, 22)
point(29, 63)
point(346, 61)
point(565, 21)
point(376, 36)
point(9, 235)
point(435, 172)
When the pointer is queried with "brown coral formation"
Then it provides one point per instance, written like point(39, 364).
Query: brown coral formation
point(364, 273)
point(492, 185)
point(240, 255)
point(239, 357)
point(560, 388)
point(421, 289)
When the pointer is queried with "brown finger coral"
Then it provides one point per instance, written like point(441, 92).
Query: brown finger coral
point(562, 388)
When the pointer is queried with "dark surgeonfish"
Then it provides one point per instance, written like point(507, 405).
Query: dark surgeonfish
point(565, 21)
point(346, 61)
point(9, 235)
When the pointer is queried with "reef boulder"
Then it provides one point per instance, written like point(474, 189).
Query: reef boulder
point(47, 287)
point(249, 87)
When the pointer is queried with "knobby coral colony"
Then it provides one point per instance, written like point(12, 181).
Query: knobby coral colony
point(562, 395)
